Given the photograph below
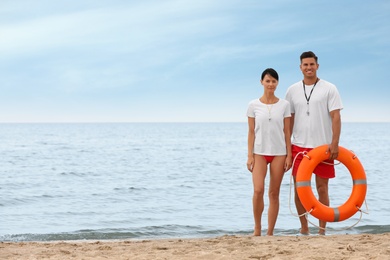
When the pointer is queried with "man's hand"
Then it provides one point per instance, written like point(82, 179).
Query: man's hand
point(333, 150)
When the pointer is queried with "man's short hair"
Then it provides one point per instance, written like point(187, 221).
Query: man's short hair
point(309, 54)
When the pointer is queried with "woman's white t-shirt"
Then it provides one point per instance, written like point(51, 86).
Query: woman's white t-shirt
point(269, 126)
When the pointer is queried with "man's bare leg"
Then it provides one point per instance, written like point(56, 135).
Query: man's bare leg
point(301, 210)
point(323, 197)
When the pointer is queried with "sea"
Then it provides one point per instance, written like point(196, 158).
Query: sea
point(97, 181)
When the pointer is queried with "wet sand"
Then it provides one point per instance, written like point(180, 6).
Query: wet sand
point(363, 246)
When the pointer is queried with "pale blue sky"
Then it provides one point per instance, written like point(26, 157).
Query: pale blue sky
point(184, 61)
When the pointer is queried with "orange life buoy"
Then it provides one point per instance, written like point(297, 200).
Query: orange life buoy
point(305, 192)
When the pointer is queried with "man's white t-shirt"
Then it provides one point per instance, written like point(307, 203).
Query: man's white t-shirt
point(269, 126)
point(312, 122)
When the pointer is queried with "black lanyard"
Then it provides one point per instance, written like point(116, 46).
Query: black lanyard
point(304, 90)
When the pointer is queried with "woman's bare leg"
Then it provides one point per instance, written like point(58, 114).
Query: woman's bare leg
point(258, 176)
point(276, 177)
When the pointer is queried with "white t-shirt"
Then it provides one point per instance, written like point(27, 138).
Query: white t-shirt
point(312, 122)
point(269, 126)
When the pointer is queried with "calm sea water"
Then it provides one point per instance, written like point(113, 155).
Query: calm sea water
point(160, 180)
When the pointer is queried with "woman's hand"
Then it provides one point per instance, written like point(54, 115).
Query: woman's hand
point(250, 163)
point(287, 163)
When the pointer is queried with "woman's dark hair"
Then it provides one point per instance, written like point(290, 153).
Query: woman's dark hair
point(270, 72)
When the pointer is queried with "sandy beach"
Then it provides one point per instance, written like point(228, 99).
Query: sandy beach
point(363, 246)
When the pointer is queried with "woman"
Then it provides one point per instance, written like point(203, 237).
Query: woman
point(268, 143)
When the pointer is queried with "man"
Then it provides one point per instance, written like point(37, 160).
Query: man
point(315, 120)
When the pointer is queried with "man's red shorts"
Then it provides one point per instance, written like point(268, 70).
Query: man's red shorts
point(323, 170)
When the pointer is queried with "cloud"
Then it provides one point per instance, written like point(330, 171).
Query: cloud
point(129, 28)
point(165, 52)
point(121, 44)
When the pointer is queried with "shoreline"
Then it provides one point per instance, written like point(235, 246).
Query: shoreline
point(356, 246)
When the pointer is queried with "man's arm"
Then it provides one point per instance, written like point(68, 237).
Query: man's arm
point(336, 130)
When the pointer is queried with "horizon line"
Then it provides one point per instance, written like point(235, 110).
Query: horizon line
point(150, 122)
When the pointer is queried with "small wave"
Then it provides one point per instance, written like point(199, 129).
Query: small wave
point(149, 232)
point(72, 173)
point(168, 231)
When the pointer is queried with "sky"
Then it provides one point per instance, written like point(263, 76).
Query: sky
point(182, 60)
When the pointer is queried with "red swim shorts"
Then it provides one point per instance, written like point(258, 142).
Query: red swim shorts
point(323, 170)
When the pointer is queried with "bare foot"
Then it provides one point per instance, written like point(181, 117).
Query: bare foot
point(304, 231)
point(270, 232)
point(257, 231)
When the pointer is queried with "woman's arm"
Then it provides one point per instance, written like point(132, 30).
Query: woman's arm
point(251, 141)
point(287, 136)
